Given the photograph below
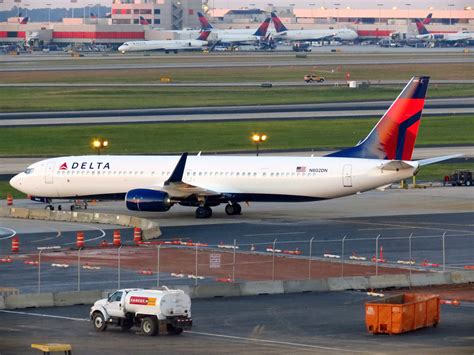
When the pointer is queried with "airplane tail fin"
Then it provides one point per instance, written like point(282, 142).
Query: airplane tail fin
point(393, 137)
point(421, 27)
point(262, 29)
point(203, 35)
point(24, 20)
point(427, 20)
point(279, 26)
point(205, 25)
point(143, 21)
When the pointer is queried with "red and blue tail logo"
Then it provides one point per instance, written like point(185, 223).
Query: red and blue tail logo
point(205, 25)
point(421, 27)
point(24, 20)
point(262, 29)
point(427, 20)
point(203, 35)
point(143, 21)
point(394, 136)
point(279, 26)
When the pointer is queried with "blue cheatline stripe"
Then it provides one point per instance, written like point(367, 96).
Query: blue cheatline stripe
point(402, 132)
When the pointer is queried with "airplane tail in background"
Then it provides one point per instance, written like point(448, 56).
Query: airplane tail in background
point(279, 26)
point(427, 20)
point(205, 25)
point(203, 35)
point(262, 29)
point(143, 21)
point(24, 20)
point(393, 138)
point(421, 27)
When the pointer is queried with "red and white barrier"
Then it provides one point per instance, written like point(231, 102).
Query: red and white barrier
point(293, 252)
point(223, 279)
point(455, 303)
point(191, 276)
point(6, 260)
point(89, 267)
point(406, 262)
point(331, 256)
point(227, 246)
point(145, 272)
point(60, 265)
point(178, 275)
point(31, 262)
point(426, 263)
point(354, 256)
point(271, 250)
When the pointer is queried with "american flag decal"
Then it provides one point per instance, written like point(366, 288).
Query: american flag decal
point(301, 169)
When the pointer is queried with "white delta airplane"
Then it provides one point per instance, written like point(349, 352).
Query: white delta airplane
point(425, 35)
point(166, 45)
point(344, 34)
point(156, 183)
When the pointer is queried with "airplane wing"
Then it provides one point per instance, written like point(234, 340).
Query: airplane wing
point(175, 186)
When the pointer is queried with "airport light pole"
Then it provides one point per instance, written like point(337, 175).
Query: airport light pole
point(380, 14)
point(259, 138)
point(100, 144)
point(336, 5)
point(408, 15)
point(450, 13)
point(49, 12)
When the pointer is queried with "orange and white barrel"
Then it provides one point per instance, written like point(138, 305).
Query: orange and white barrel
point(117, 242)
point(80, 240)
point(15, 244)
point(137, 235)
point(9, 200)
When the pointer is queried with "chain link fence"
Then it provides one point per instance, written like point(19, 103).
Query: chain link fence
point(181, 262)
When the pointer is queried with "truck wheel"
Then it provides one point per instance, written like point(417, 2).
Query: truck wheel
point(468, 183)
point(172, 330)
point(99, 322)
point(149, 326)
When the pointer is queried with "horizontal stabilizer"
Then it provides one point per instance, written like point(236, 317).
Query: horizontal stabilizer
point(397, 165)
point(438, 159)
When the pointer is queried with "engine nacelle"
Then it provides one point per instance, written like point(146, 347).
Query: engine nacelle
point(148, 200)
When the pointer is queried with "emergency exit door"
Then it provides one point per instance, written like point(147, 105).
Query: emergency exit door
point(347, 175)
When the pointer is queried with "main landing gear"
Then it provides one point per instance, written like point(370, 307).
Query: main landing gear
point(203, 212)
point(233, 209)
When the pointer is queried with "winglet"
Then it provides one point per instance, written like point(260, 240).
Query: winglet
point(177, 174)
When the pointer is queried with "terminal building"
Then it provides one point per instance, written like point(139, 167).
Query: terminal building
point(164, 17)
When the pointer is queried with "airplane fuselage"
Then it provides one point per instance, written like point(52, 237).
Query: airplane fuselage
point(241, 178)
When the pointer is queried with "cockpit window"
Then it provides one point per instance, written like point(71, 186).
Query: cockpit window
point(29, 170)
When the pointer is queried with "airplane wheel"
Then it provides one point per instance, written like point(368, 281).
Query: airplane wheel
point(60, 208)
point(73, 207)
point(203, 212)
point(233, 209)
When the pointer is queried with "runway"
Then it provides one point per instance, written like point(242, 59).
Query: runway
point(444, 106)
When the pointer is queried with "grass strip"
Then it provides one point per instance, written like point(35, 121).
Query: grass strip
point(218, 136)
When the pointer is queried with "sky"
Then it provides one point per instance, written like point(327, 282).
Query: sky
point(236, 4)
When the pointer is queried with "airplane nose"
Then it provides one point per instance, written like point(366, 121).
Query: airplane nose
point(15, 182)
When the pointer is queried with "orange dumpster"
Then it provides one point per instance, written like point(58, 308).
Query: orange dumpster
point(402, 313)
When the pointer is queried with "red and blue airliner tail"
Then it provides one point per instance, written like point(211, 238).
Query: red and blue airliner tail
point(203, 35)
point(427, 20)
point(143, 21)
point(394, 136)
point(205, 25)
point(421, 27)
point(24, 20)
point(279, 26)
point(262, 29)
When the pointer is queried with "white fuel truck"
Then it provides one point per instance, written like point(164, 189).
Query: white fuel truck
point(153, 311)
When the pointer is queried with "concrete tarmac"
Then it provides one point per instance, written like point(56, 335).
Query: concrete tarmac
point(311, 323)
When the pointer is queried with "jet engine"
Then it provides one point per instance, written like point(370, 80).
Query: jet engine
point(148, 200)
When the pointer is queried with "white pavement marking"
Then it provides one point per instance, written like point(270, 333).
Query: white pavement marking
point(263, 234)
point(46, 315)
point(58, 234)
point(8, 236)
point(275, 342)
point(264, 341)
point(90, 240)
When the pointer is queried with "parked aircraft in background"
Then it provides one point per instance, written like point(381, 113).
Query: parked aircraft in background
point(237, 36)
point(344, 34)
point(425, 35)
point(156, 183)
point(166, 45)
point(24, 20)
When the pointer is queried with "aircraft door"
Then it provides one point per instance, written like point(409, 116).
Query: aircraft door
point(48, 178)
point(347, 175)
